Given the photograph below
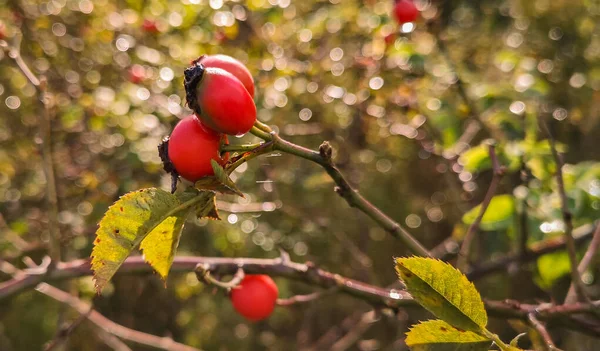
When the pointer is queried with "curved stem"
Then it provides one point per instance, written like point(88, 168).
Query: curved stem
point(240, 148)
point(344, 189)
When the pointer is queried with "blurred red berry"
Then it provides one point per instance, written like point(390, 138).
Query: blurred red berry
point(149, 26)
point(390, 39)
point(405, 11)
point(137, 74)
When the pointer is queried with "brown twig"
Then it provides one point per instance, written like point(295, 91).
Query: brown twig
point(567, 217)
point(40, 84)
point(586, 260)
point(540, 328)
point(463, 255)
point(343, 188)
point(163, 343)
point(352, 336)
point(565, 315)
point(63, 333)
point(296, 299)
point(86, 310)
point(580, 234)
point(112, 341)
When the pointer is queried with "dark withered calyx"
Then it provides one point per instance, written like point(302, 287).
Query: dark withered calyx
point(192, 76)
point(163, 153)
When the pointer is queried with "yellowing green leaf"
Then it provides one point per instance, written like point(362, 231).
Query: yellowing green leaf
point(160, 245)
point(498, 216)
point(551, 267)
point(443, 291)
point(129, 221)
point(476, 159)
point(438, 335)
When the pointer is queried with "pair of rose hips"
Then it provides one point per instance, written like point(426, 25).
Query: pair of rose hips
point(220, 91)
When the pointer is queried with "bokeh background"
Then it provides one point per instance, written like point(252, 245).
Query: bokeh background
point(384, 95)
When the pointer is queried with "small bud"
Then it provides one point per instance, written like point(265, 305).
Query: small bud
point(326, 150)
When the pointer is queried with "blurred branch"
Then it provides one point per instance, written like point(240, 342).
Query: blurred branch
point(540, 328)
point(40, 84)
point(344, 189)
point(308, 273)
point(567, 217)
point(63, 333)
point(460, 85)
point(586, 260)
point(296, 299)
point(86, 311)
point(356, 332)
point(463, 255)
point(580, 234)
point(163, 343)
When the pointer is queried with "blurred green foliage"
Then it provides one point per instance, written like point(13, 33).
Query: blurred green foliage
point(338, 70)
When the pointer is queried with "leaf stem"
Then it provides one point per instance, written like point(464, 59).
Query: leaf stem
point(499, 342)
point(240, 148)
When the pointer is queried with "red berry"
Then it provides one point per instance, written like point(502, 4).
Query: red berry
point(390, 39)
point(150, 26)
point(255, 297)
point(219, 99)
point(405, 11)
point(191, 148)
point(232, 66)
point(136, 74)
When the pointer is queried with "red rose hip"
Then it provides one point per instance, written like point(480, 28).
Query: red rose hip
point(232, 66)
point(191, 148)
point(405, 11)
point(219, 99)
point(255, 297)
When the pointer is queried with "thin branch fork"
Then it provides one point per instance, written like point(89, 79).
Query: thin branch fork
point(463, 258)
point(540, 328)
point(587, 259)
point(109, 329)
point(567, 218)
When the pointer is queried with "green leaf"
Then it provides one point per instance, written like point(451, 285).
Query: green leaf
point(220, 182)
point(438, 335)
point(551, 267)
point(476, 159)
point(443, 291)
point(135, 216)
point(498, 216)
